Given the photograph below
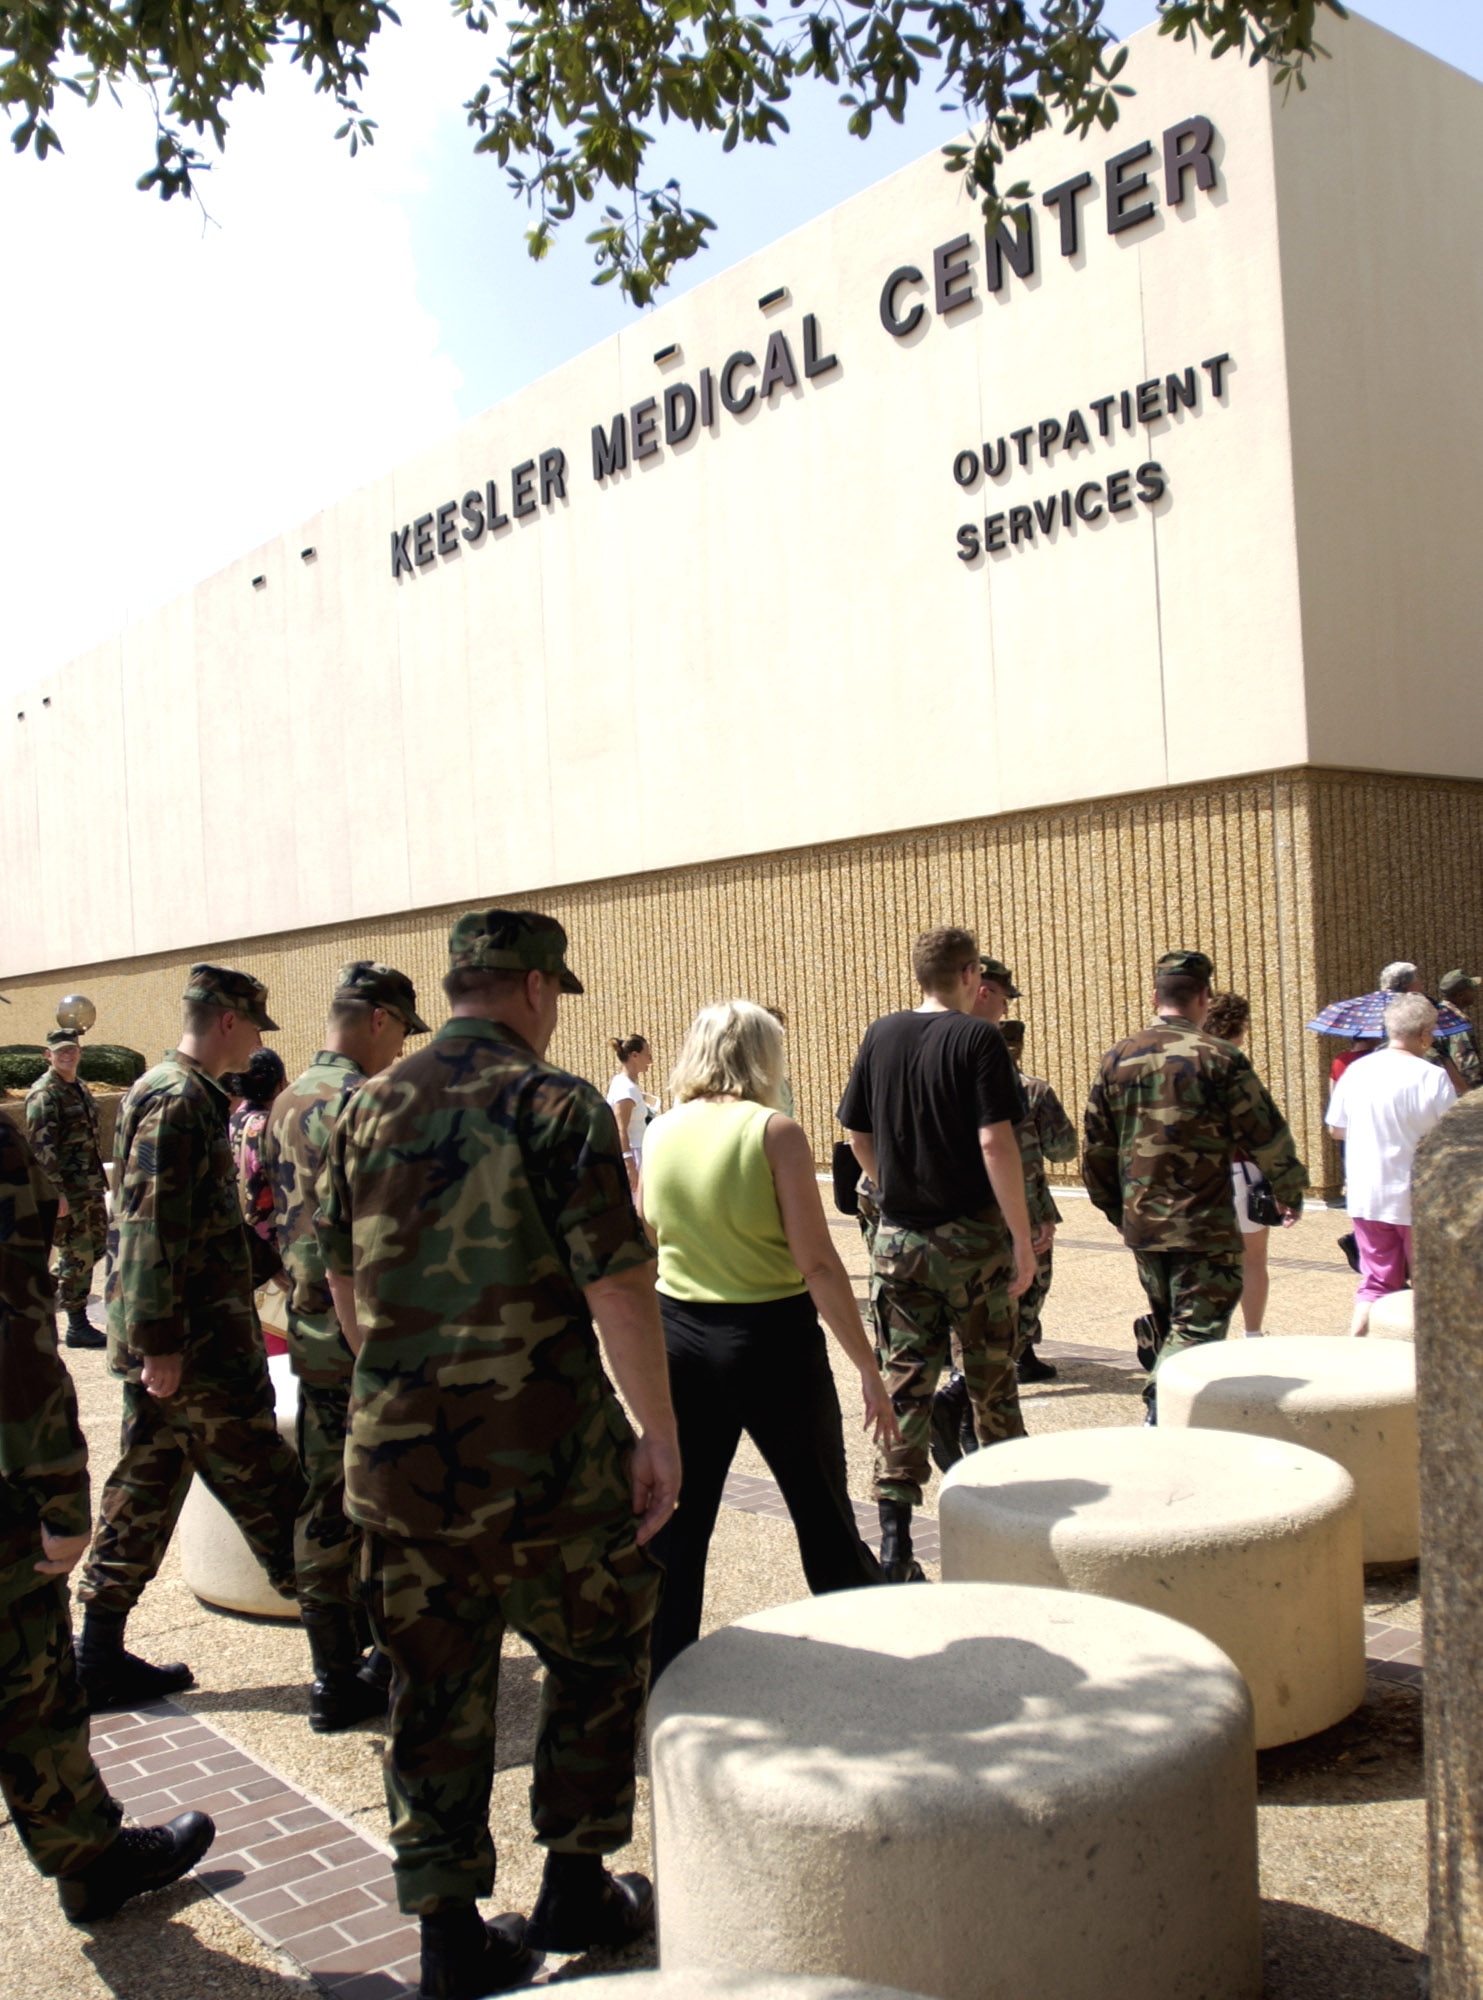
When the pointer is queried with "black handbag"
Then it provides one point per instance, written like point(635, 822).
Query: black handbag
point(846, 1171)
point(1261, 1203)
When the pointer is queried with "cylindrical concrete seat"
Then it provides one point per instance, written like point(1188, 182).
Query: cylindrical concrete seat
point(1254, 1543)
point(214, 1560)
point(976, 1792)
point(696, 1984)
point(1393, 1317)
point(1353, 1400)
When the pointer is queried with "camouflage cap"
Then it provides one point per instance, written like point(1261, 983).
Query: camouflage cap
point(1453, 982)
point(1186, 965)
point(999, 972)
point(381, 986)
point(221, 986)
point(63, 1038)
point(511, 941)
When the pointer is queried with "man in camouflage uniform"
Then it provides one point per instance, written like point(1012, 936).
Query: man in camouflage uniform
point(1460, 990)
point(1045, 1133)
point(62, 1123)
point(373, 1011)
point(59, 1805)
point(184, 1335)
point(475, 1217)
point(929, 1110)
point(1170, 1109)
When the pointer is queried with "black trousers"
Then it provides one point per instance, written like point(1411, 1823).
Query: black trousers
point(761, 1369)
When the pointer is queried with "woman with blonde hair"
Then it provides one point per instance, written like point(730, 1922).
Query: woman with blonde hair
point(746, 1270)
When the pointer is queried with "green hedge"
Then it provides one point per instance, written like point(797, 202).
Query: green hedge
point(110, 1062)
point(102, 1062)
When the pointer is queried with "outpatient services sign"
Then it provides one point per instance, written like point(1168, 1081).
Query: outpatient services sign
point(1057, 474)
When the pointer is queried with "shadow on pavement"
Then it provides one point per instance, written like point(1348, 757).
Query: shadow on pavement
point(144, 1952)
point(1371, 1755)
point(1308, 1954)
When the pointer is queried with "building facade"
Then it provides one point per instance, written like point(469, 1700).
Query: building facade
point(1107, 586)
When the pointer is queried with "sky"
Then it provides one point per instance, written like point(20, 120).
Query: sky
point(184, 382)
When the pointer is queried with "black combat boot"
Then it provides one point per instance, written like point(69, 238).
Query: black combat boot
point(80, 1330)
point(112, 1678)
point(346, 1688)
point(897, 1562)
point(582, 1907)
point(967, 1430)
point(1030, 1368)
point(142, 1858)
point(464, 1958)
point(949, 1406)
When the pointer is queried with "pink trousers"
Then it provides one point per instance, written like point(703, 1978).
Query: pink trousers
point(1384, 1257)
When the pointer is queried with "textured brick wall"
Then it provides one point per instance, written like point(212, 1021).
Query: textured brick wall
point(1299, 884)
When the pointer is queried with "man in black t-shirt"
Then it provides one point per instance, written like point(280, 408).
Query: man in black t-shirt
point(930, 1110)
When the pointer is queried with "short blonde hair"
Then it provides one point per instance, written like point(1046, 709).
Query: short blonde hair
point(733, 1049)
point(1410, 1014)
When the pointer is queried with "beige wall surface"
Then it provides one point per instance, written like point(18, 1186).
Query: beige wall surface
point(1300, 885)
point(1380, 196)
point(759, 638)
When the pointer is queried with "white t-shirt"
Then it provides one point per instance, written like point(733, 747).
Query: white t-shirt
point(623, 1090)
point(1385, 1106)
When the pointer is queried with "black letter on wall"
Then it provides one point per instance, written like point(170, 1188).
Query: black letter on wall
point(1063, 200)
point(1121, 185)
point(1177, 163)
point(1018, 250)
point(610, 454)
point(815, 363)
point(905, 274)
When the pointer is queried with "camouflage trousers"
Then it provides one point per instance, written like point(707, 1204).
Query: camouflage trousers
point(221, 1427)
point(326, 1541)
point(931, 1288)
point(440, 1611)
point(61, 1808)
point(1191, 1296)
point(1031, 1302)
point(80, 1238)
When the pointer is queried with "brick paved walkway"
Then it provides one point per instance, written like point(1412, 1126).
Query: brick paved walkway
point(296, 1873)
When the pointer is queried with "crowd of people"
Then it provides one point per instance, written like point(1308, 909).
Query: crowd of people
point(474, 1246)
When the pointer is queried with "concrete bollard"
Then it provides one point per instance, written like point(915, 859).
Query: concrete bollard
point(1352, 1400)
point(972, 1791)
point(1447, 1209)
point(1393, 1317)
point(1254, 1543)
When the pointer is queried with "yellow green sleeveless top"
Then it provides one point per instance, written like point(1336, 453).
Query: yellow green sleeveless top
point(709, 1197)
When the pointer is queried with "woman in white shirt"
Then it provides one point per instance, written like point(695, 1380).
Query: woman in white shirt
point(1381, 1110)
point(631, 1107)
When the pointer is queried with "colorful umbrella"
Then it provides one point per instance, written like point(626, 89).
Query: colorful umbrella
point(1363, 1018)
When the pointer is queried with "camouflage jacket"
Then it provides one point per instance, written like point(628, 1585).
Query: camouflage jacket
point(179, 1274)
point(43, 1459)
point(62, 1123)
point(293, 1146)
point(1169, 1111)
point(473, 1190)
point(1046, 1134)
point(1462, 1050)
